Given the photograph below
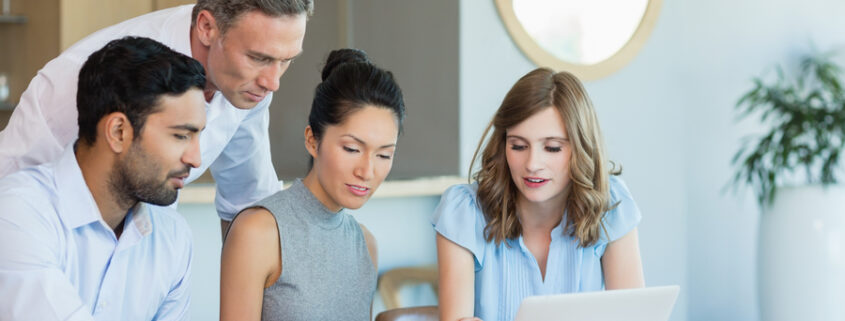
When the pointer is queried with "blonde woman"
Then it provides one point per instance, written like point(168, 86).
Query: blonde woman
point(546, 213)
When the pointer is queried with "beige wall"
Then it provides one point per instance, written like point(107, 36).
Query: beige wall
point(77, 20)
point(80, 18)
point(25, 48)
point(161, 4)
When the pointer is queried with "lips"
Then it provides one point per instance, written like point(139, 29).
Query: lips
point(179, 182)
point(253, 97)
point(179, 178)
point(534, 182)
point(358, 190)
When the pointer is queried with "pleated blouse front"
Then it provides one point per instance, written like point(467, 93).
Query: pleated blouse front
point(508, 273)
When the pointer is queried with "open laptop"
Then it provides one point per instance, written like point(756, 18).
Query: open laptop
point(646, 304)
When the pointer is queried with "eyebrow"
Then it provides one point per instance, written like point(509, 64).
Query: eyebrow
point(544, 138)
point(188, 127)
point(365, 143)
point(268, 57)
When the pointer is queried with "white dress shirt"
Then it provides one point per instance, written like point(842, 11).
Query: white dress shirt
point(235, 145)
point(60, 261)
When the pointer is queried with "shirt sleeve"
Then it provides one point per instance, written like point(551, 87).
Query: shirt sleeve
point(32, 285)
point(625, 216)
point(244, 171)
point(39, 127)
point(459, 219)
point(176, 305)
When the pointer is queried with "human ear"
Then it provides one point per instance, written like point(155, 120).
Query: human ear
point(310, 141)
point(117, 132)
point(206, 27)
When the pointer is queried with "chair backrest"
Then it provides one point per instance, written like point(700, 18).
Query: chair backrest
point(391, 281)
point(424, 313)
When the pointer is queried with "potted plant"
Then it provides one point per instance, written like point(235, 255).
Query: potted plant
point(794, 169)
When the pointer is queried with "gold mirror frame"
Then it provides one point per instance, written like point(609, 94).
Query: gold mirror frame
point(541, 57)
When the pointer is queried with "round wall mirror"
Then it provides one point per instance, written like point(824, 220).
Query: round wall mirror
point(590, 38)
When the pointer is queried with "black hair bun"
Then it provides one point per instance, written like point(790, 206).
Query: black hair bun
point(343, 56)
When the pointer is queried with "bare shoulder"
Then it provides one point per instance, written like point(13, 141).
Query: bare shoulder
point(254, 228)
point(252, 246)
point(372, 246)
point(255, 220)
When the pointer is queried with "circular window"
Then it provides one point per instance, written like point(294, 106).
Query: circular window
point(590, 38)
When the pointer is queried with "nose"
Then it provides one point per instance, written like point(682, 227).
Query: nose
point(535, 160)
point(269, 77)
point(192, 156)
point(365, 169)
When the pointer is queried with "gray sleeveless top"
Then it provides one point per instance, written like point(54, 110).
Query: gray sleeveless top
point(327, 273)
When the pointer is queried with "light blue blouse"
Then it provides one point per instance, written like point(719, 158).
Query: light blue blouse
point(504, 275)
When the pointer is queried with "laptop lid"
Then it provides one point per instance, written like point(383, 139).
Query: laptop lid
point(645, 304)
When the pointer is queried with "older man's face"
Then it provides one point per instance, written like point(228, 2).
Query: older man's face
point(246, 62)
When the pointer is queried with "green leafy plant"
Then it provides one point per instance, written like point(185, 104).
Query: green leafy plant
point(806, 113)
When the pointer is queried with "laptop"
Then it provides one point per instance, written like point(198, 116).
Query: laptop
point(644, 304)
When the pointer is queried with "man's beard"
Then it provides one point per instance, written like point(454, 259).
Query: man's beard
point(134, 179)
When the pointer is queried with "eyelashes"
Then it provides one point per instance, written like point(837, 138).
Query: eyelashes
point(551, 149)
point(355, 150)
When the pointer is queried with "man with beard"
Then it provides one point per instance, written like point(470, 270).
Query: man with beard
point(88, 237)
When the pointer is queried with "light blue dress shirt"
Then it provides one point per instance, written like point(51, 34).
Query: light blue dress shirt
point(506, 274)
point(60, 261)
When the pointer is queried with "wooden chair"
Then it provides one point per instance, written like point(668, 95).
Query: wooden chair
point(391, 281)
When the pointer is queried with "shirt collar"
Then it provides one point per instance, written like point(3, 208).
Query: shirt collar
point(136, 226)
point(141, 219)
point(76, 203)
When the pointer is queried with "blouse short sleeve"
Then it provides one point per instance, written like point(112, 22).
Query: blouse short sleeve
point(459, 219)
point(625, 216)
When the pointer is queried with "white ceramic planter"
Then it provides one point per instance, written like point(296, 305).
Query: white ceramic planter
point(801, 258)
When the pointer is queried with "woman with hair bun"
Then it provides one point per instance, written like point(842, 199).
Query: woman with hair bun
point(545, 215)
point(297, 255)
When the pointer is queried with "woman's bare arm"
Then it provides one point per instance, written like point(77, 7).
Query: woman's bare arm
point(251, 262)
point(456, 282)
point(622, 265)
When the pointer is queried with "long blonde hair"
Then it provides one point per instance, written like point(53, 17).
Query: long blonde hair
point(588, 195)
